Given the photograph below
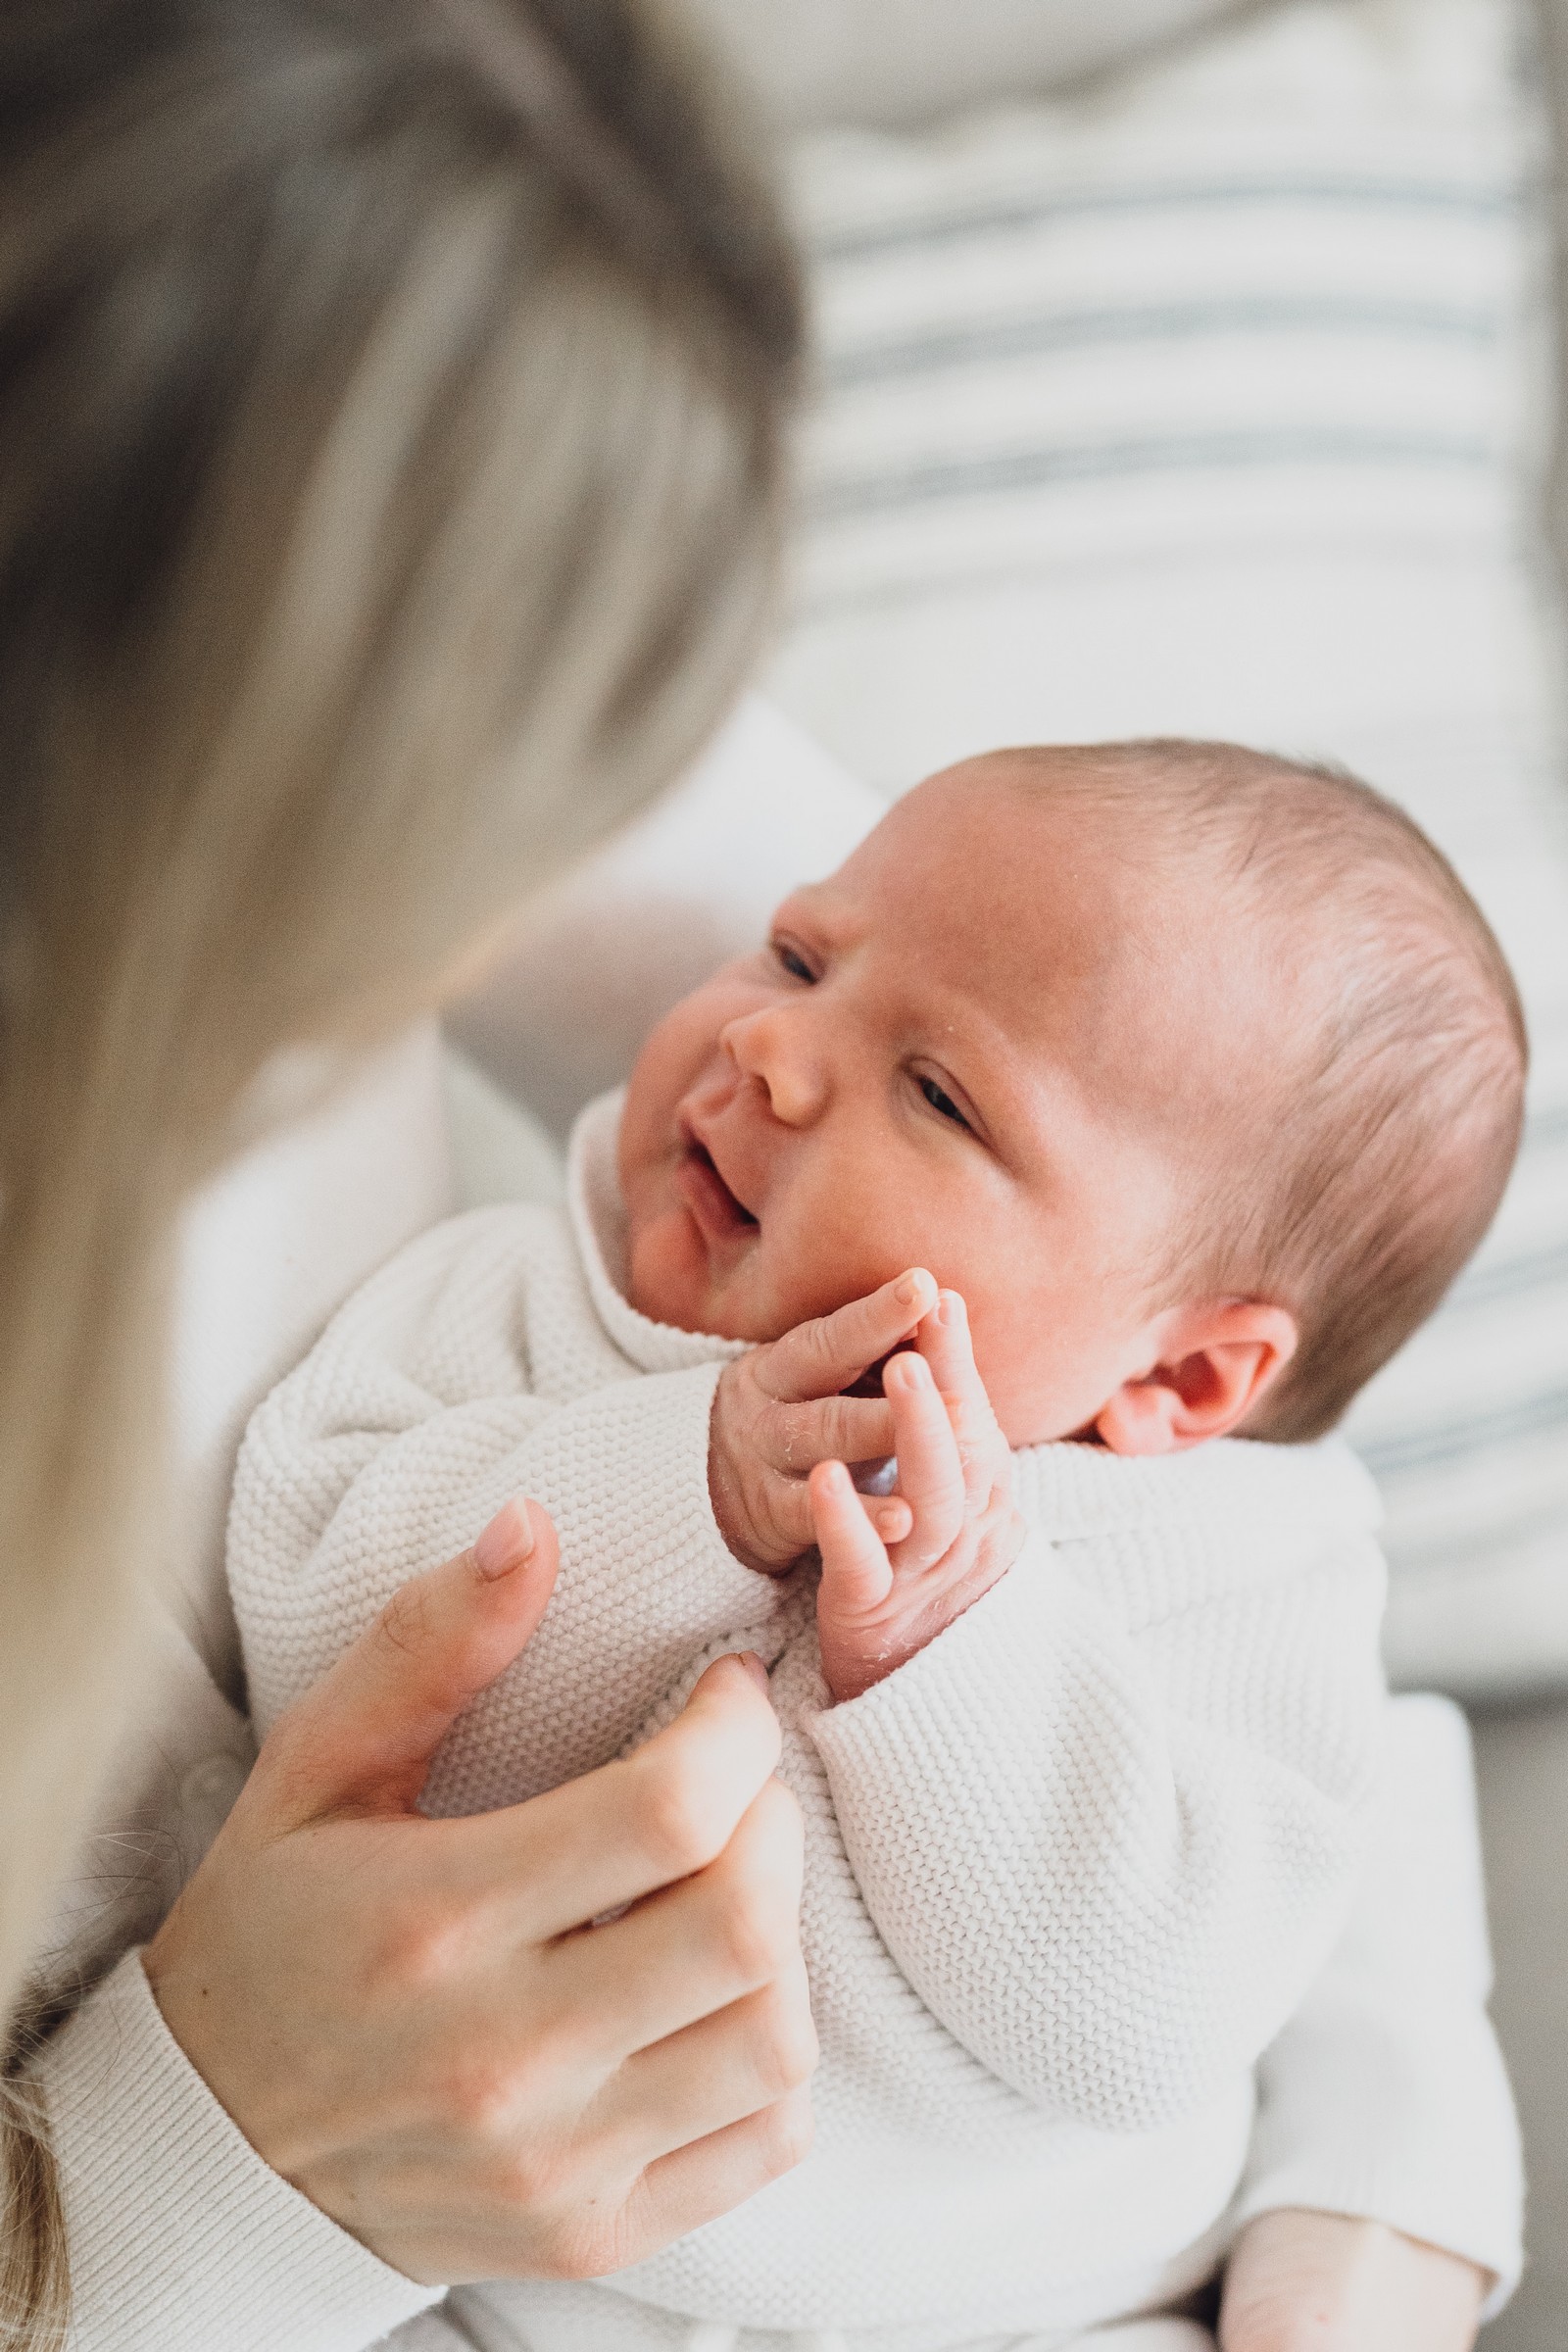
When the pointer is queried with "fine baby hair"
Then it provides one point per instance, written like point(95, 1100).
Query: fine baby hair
point(1358, 1162)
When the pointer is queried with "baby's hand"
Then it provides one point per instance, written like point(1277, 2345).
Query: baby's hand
point(780, 1410)
point(878, 1605)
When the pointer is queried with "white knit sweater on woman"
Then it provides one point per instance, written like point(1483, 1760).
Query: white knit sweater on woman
point(1069, 1871)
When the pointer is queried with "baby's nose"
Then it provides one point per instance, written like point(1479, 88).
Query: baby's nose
point(773, 1048)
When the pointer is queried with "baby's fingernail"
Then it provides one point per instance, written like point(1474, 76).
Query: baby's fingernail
point(949, 1309)
point(907, 1290)
point(753, 1665)
point(505, 1543)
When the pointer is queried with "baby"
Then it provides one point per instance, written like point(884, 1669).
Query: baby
point(1109, 1106)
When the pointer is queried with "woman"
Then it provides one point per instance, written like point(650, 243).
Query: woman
point(393, 395)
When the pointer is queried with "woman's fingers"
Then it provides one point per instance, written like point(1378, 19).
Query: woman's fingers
point(617, 1833)
point(713, 2176)
point(818, 1359)
point(715, 2072)
point(688, 1950)
point(857, 1573)
point(931, 1475)
point(361, 1737)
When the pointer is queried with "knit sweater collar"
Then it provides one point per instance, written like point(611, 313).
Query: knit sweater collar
point(1074, 1489)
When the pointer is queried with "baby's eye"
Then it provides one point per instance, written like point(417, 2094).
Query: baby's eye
point(795, 966)
point(941, 1101)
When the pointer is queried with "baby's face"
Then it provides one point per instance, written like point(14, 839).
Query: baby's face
point(965, 1051)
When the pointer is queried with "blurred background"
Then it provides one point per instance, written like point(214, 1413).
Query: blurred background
point(1185, 368)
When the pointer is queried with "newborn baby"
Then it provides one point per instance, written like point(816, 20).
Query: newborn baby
point(1065, 1163)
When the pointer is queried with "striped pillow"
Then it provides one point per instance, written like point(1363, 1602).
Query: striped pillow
point(1214, 406)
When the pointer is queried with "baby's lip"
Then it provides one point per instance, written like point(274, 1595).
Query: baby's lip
point(721, 1215)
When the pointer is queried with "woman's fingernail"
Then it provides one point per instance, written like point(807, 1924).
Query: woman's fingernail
point(753, 1665)
point(908, 1287)
point(505, 1543)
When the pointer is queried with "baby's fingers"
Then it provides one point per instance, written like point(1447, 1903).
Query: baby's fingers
point(818, 1359)
point(931, 1477)
point(857, 1573)
point(945, 1342)
point(793, 1437)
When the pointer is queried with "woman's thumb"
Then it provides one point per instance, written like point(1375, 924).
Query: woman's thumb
point(362, 1737)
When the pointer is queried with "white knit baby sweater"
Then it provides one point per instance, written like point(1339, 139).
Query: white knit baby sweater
point(1068, 1871)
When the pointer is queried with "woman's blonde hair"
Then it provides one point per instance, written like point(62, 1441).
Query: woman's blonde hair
point(392, 399)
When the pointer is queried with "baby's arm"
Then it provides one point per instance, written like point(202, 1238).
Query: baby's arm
point(1108, 1843)
point(406, 1429)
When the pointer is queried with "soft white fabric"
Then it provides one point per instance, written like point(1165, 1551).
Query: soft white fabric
point(181, 2236)
point(1217, 404)
point(1068, 1869)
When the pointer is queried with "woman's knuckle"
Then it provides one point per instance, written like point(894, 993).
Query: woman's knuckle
point(673, 1811)
point(786, 2133)
point(476, 2099)
point(748, 1933)
point(403, 1624)
point(536, 2180)
point(417, 1946)
point(788, 2050)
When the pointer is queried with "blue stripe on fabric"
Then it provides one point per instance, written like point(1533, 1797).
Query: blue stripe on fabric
point(1038, 468)
point(1478, 202)
point(1422, 1449)
point(1084, 330)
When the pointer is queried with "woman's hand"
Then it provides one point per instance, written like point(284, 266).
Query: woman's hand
point(1321, 2283)
point(416, 2022)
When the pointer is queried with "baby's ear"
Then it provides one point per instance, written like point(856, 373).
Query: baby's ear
point(1215, 1361)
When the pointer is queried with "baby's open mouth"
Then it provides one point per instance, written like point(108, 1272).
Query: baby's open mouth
point(709, 1197)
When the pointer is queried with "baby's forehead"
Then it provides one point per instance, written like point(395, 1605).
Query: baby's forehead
point(1045, 917)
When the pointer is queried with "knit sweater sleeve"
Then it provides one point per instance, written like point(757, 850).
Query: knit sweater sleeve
point(180, 2238)
point(418, 1414)
point(1386, 2093)
point(1109, 1844)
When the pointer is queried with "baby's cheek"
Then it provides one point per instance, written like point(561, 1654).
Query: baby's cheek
point(667, 1273)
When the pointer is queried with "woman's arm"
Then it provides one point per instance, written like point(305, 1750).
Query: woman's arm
point(1384, 2187)
point(409, 2027)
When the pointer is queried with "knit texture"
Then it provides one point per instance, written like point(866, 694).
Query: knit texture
point(1068, 1871)
point(181, 2238)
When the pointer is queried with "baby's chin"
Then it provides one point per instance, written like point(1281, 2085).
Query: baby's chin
point(670, 1280)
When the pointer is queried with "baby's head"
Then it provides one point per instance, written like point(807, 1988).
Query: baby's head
point(1196, 1072)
